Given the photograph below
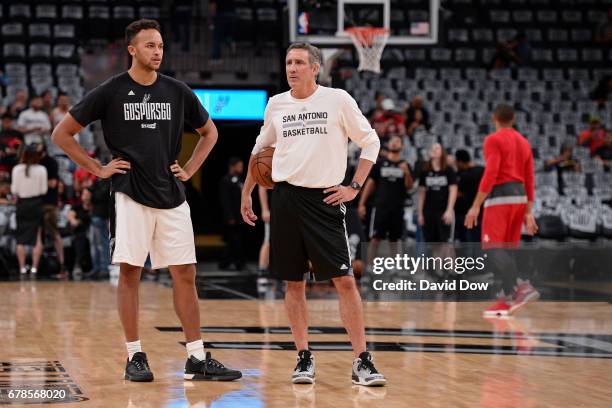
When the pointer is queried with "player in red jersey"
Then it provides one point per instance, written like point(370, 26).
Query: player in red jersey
point(507, 191)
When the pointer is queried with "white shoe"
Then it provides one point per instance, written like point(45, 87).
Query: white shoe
point(364, 372)
point(304, 372)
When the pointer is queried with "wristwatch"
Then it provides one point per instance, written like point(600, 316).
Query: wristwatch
point(355, 186)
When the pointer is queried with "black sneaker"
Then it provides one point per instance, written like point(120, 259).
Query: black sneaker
point(208, 370)
point(138, 369)
point(364, 372)
point(304, 372)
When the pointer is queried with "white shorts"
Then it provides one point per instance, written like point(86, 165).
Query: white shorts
point(166, 234)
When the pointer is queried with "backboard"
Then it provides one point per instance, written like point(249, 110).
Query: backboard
point(322, 22)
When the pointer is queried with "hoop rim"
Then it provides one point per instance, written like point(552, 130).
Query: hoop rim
point(366, 34)
point(367, 29)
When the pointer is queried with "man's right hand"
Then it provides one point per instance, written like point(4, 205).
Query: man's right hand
point(246, 209)
point(115, 166)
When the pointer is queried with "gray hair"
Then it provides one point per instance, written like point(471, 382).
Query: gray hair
point(314, 54)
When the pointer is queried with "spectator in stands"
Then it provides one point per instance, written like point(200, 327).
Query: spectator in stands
point(437, 196)
point(62, 108)
point(50, 205)
point(602, 91)
point(594, 136)
point(20, 103)
point(417, 116)
point(387, 123)
point(604, 30)
point(6, 197)
point(79, 219)
point(100, 204)
point(223, 15)
point(57, 114)
point(468, 175)
point(565, 162)
point(604, 152)
point(522, 49)
point(230, 190)
point(83, 179)
point(34, 123)
point(378, 110)
point(504, 56)
point(9, 158)
point(8, 133)
point(29, 185)
point(47, 102)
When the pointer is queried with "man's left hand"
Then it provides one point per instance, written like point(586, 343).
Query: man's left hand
point(340, 194)
point(179, 172)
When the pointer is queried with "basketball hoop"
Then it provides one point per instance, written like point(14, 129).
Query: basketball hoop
point(370, 43)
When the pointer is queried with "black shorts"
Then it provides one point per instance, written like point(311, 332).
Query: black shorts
point(304, 228)
point(435, 230)
point(387, 221)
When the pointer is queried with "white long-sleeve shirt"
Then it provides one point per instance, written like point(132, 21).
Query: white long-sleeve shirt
point(33, 186)
point(311, 137)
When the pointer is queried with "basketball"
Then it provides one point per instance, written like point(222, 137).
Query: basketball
point(261, 167)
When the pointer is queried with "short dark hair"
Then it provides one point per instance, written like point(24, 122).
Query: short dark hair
point(8, 115)
point(233, 161)
point(463, 156)
point(314, 54)
point(504, 113)
point(137, 26)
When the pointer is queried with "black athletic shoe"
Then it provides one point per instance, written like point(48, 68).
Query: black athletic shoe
point(364, 372)
point(138, 369)
point(208, 370)
point(304, 372)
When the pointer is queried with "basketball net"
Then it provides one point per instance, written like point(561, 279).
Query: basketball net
point(370, 43)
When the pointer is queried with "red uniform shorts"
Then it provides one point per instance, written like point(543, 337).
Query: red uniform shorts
point(502, 224)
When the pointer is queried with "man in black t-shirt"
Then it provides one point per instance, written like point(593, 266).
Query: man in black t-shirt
point(50, 208)
point(230, 190)
point(391, 178)
point(468, 175)
point(100, 213)
point(143, 116)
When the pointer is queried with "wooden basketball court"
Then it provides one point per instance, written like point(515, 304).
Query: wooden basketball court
point(67, 336)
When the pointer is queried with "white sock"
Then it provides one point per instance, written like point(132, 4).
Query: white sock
point(196, 349)
point(133, 347)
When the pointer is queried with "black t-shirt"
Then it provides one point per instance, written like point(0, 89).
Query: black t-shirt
point(100, 198)
point(144, 125)
point(390, 186)
point(50, 164)
point(230, 191)
point(83, 215)
point(437, 183)
point(469, 181)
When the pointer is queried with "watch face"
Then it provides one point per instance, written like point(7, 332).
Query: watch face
point(355, 185)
